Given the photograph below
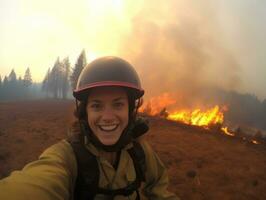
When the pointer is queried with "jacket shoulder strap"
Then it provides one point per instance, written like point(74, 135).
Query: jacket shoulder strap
point(87, 182)
point(138, 156)
point(88, 172)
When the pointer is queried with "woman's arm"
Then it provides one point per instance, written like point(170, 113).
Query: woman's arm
point(51, 177)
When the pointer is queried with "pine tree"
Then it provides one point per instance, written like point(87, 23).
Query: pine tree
point(54, 83)
point(4, 92)
point(22, 92)
point(66, 74)
point(5, 82)
point(27, 81)
point(80, 64)
point(1, 88)
point(12, 76)
point(61, 74)
point(12, 85)
point(45, 83)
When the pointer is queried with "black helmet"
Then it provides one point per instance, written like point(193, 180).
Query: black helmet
point(108, 71)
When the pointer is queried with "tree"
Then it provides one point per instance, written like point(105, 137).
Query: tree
point(12, 88)
point(12, 76)
point(5, 82)
point(4, 89)
point(80, 64)
point(1, 90)
point(45, 83)
point(55, 79)
point(66, 74)
point(27, 81)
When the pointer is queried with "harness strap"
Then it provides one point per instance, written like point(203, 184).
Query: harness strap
point(88, 173)
point(87, 181)
point(138, 156)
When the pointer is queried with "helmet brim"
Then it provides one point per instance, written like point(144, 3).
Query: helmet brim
point(82, 93)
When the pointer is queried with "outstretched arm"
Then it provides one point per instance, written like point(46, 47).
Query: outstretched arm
point(51, 177)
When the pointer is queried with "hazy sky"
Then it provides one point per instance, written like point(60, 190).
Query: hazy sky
point(224, 40)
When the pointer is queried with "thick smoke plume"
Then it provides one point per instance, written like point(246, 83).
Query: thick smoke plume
point(176, 49)
point(179, 52)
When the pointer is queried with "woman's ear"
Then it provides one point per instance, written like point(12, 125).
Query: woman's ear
point(139, 103)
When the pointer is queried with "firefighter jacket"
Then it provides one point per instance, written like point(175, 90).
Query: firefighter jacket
point(53, 176)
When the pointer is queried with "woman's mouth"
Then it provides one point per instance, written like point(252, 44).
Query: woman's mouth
point(108, 128)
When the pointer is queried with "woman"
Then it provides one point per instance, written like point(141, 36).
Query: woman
point(105, 157)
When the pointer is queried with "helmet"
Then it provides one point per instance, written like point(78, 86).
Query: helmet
point(108, 71)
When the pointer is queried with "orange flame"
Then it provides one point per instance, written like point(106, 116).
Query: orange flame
point(157, 104)
point(215, 115)
point(198, 117)
point(255, 142)
point(225, 130)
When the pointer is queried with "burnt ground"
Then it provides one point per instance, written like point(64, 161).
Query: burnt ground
point(202, 164)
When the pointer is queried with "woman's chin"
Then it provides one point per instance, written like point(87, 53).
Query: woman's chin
point(108, 142)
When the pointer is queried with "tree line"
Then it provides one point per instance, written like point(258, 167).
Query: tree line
point(57, 83)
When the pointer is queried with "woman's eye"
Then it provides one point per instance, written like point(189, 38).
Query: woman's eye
point(119, 104)
point(95, 106)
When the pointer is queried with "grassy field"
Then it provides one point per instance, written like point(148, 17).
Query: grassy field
point(202, 164)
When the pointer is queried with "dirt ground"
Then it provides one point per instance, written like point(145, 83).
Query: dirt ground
point(202, 164)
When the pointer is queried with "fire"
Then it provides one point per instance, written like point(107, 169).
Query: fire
point(198, 117)
point(225, 130)
point(157, 106)
point(255, 142)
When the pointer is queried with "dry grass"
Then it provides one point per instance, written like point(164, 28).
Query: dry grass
point(202, 164)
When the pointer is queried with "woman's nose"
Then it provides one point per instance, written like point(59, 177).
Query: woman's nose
point(108, 115)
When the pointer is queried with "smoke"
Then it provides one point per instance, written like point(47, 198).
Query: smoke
point(177, 49)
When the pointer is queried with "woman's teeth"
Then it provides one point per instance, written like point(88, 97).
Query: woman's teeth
point(108, 127)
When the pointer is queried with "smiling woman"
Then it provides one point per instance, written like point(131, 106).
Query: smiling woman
point(108, 113)
point(106, 157)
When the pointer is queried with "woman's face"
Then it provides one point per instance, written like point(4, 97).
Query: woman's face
point(107, 110)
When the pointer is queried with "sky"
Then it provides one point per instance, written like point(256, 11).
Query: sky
point(175, 45)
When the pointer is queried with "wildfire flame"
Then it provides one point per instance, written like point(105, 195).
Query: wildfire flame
point(198, 117)
point(255, 142)
point(225, 130)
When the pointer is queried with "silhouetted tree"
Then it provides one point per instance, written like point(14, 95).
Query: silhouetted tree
point(0, 82)
point(27, 81)
point(55, 79)
point(45, 83)
point(4, 88)
point(21, 90)
point(12, 76)
point(80, 64)
point(11, 91)
point(65, 77)
point(61, 78)
point(5, 82)
point(1, 90)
